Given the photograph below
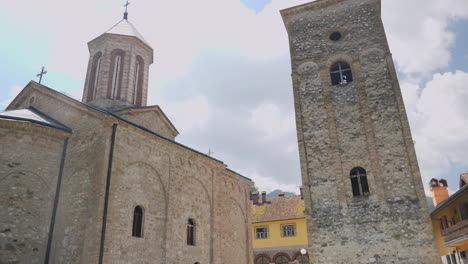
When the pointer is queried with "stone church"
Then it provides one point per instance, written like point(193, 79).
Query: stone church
point(105, 181)
point(363, 192)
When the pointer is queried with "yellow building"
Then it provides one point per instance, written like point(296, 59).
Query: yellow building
point(450, 221)
point(279, 229)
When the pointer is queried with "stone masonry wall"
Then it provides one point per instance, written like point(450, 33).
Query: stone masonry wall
point(360, 124)
point(78, 225)
point(172, 185)
point(29, 167)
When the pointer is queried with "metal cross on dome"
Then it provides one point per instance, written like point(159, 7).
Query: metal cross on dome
point(126, 10)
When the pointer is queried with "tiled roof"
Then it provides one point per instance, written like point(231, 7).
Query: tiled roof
point(124, 27)
point(463, 179)
point(33, 115)
point(280, 208)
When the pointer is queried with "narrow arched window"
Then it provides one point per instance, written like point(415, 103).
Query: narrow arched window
point(94, 77)
point(116, 70)
point(138, 83)
point(191, 232)
point(340, 73)
point(137, 230)
point(359, 182)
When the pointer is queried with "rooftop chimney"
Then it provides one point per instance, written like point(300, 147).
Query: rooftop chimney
point(264, 197)
point(281, 194)
point(439, 190)
point(255, 197)
point(302, 193)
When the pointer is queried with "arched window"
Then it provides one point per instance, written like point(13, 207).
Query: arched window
point(303, 259)
point(94, 77)
point(191, 232)
point(340, 73)
point(282, 260)
point(138, 83)
point(262, 260)
point(137, 230)
point(117, 62)
point(359, 182)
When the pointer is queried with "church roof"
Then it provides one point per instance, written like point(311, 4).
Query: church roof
point(33, 115)
point(279, 208)
point(48, 121)
point(149, 107)
point(124, 27)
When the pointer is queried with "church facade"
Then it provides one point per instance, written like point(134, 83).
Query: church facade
point(104, 181)
point(363, 192)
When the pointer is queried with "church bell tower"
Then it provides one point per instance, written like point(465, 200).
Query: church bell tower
point(117, 75)
point(365, 201)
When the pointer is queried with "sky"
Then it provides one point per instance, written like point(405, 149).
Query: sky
point(222, 73)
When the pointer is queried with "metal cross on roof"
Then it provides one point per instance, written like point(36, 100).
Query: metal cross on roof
point(41, 73)
point(126, 10)
point(210, 152)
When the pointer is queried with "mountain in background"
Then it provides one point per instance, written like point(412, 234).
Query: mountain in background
point(275, 193)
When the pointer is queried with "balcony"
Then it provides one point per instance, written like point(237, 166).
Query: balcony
point(456, 234)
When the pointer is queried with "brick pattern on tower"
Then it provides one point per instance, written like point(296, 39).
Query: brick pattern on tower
point(364, 197)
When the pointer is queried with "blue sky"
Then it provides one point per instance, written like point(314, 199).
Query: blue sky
point(245, 55)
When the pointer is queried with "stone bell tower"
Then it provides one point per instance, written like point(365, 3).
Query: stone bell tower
point(117, 75)
point(365, 201)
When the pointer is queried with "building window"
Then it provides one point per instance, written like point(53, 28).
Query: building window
point(282, 260)
point(138, 83)
point(340, 73)
point(463, 209)
point(137, 222)
point(303, 259)
point(359, 182)
point(116, 71)
point(94, 77)
point(191, 232)
point(261, 232)
point(444, 222)
point(115, 76)
point(288, 230)
point(262, 260)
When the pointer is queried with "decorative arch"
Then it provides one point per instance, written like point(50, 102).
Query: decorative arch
point(114, 88)
point(154, 171)
point(281, 254)
point(94, 77)
point(262, 255)
point(297, 256)
point(31, 214)
point(138, 83)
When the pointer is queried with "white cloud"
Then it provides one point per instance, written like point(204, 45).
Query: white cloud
point(12, 92)
point(439, 118)
point(269, 118)
point(222, 73)
point(188, 114)
point(418, 34)
point(269, 184)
